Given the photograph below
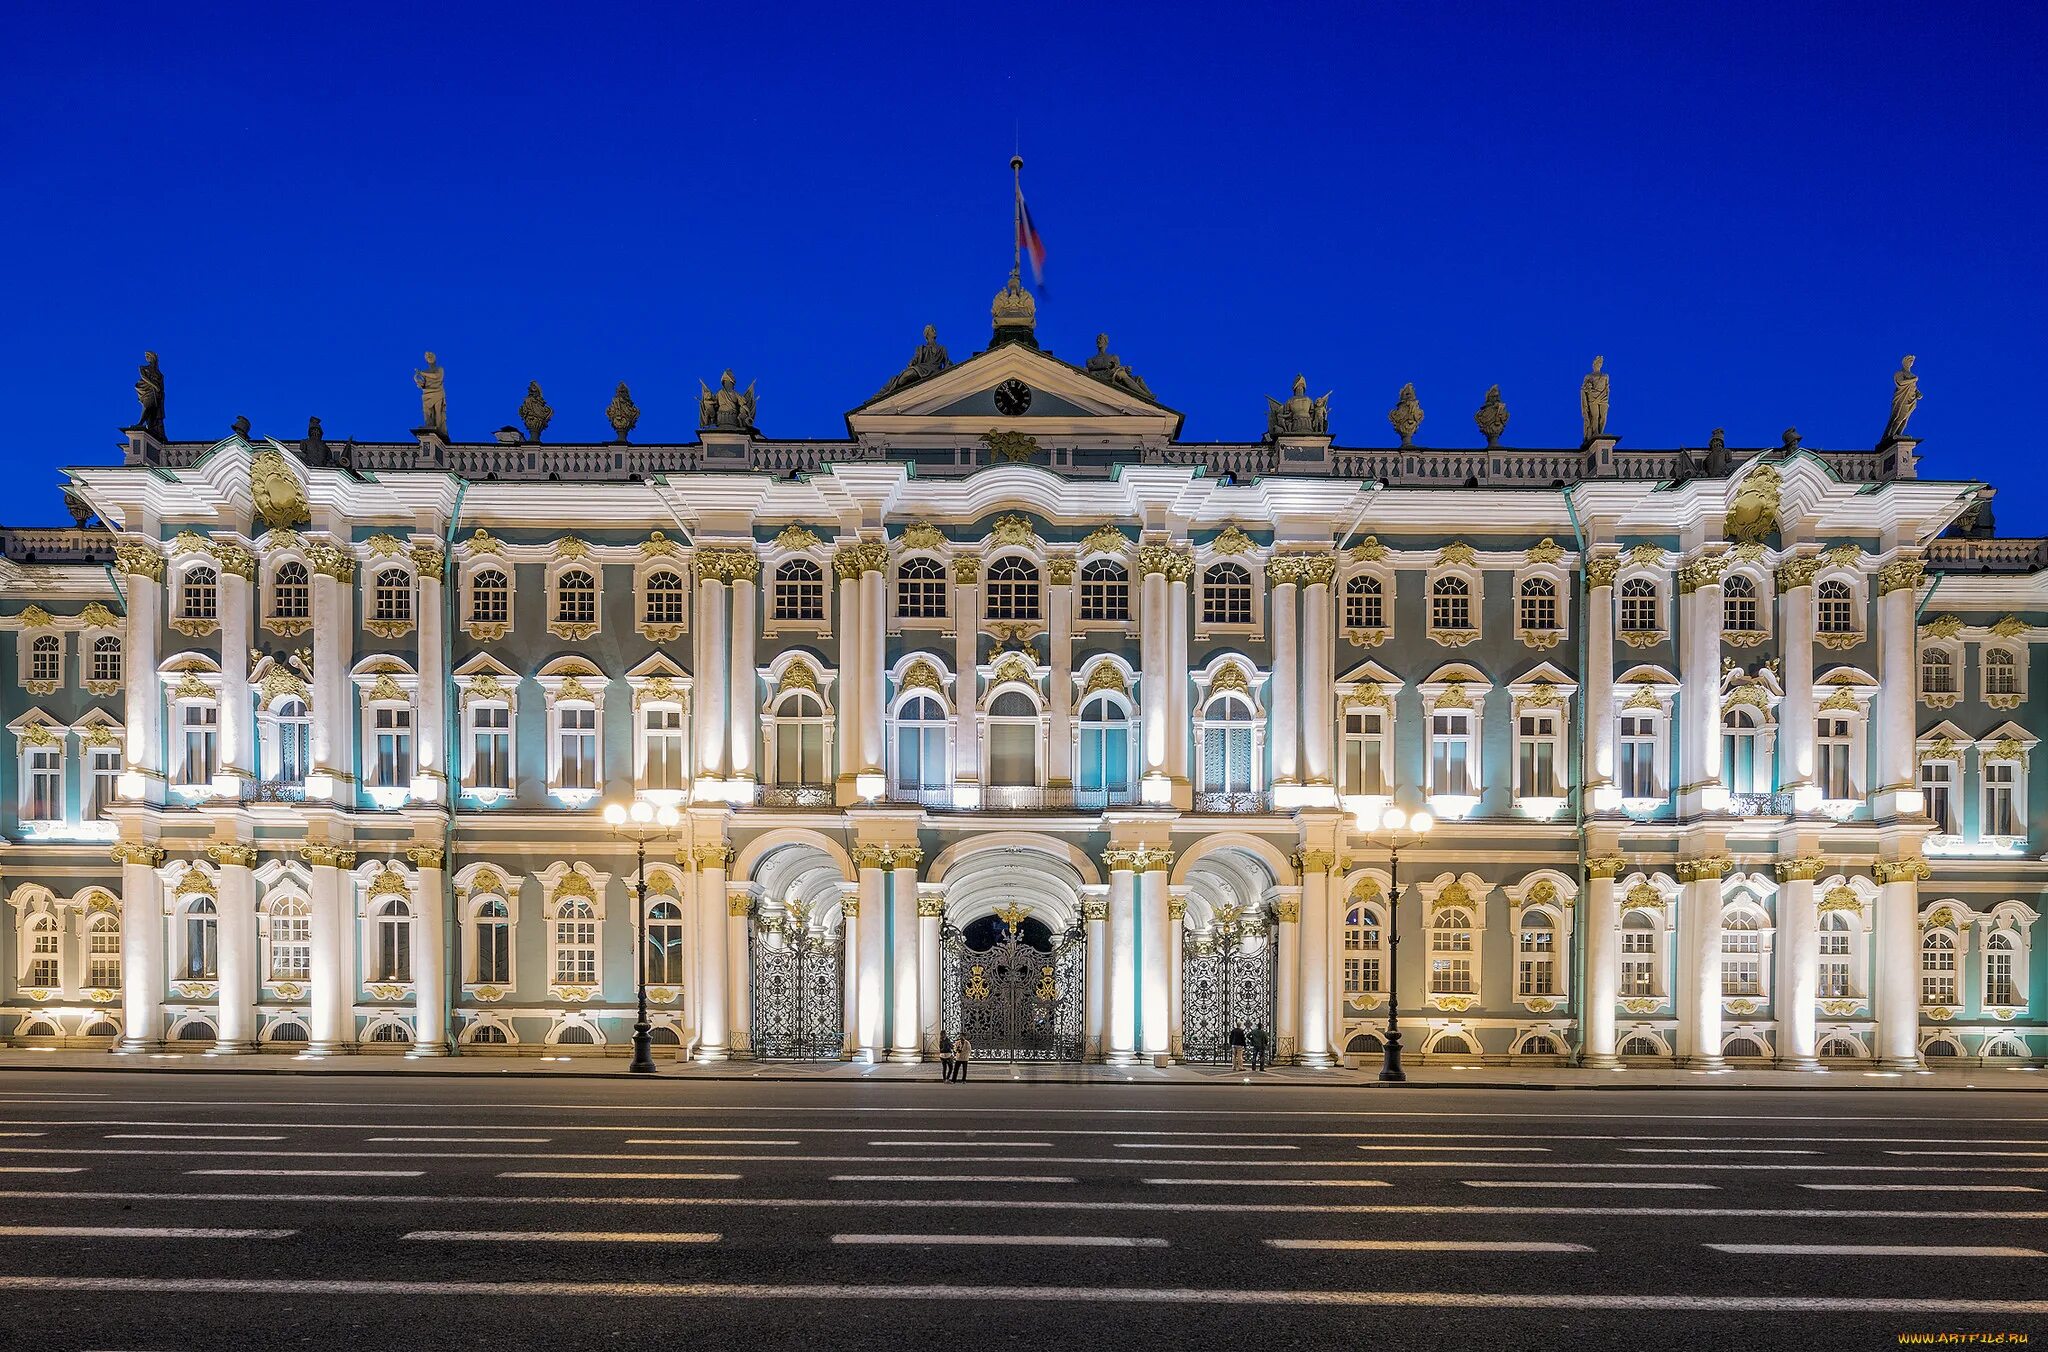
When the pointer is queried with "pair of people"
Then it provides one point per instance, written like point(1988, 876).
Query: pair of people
point(954, 1056)
point(1256, 1042)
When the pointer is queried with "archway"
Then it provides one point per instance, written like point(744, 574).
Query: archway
point(796, 956)
point(1230, 944)
point(1013, 955)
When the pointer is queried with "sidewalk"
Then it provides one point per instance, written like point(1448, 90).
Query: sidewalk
point(2029, 1079)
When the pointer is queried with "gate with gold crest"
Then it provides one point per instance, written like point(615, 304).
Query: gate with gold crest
point(1015, 988)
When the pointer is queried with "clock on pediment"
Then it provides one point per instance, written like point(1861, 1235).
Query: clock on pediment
point(1012, 398)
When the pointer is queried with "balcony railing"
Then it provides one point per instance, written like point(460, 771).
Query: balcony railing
point(793, 795)
point(1017, 798)
point(1233, 802)
point(1760, 804)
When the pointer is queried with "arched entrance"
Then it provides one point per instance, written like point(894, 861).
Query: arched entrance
point(1230, 947)
point(796, 957)
point(1015, 988)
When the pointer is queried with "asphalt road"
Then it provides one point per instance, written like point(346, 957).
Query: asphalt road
point(187, 1211)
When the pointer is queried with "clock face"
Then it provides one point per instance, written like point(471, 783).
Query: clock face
point(1012, 398)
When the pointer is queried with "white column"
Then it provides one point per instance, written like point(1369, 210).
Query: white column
point(430, 1035)
point(1699, 966)
point(1895, 990)
point(707, 694)
point(852, 669)
point(1898, 791)
point(237, 715)
point(1155, 949)
point(1176, 942)
point(1601, 791)
point(1602, 930)
point(1318, 681)
point(906, 969)
point(1699, 604)
point(1178, 723)
point(745, 705)
point(1798, 963)
point(331, 984)
point(430, 734)
point(1284, 739)
point(240, 981)
point(1059, 597)
point(143, 972)
point(739, 986)
point(872, 862)
point(1318, 1003)
point(1287, 999)
point(874, 658)
point(713, 1012)
point(1095, 912)
point(1122, 983)
point(966, 682)
point(334, 707)
point(931, 911)
point(849, 976)
point(1155, 681)
point(1794, 748)
point(144, 585)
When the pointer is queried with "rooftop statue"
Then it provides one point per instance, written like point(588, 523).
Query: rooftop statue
point(1406, 415)
point(149, 392)
point(1593, 401)
point(1791, 443)
point(1298, 415)
point(1905, 398)
point(1492, 417)
point(534, 411)
point(623, 414)
point(726, 408)
point(1108, 368)
point(433, 398)
point(241, 426)
point(929, 360)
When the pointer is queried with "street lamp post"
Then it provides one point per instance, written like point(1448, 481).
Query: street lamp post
point(642, 823)
point(1393, 829)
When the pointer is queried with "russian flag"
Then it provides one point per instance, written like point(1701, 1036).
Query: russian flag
point(1028, 241)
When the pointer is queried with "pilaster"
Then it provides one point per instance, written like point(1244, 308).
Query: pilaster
point(1601, 791)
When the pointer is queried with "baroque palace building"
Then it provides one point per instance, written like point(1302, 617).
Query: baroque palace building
point(1012, 712)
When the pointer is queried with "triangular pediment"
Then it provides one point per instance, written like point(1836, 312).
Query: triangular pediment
point(1014, 388)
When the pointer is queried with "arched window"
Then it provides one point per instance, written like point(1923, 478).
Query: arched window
point(1226, 737)
point(1013, 589)
point(576, 598)
point(488, 1034)
point(1938, 969)
point(799, 591)
point(921, 590)
point(391, 596)
point(665, 944)
point(1641, 1046)
point(576, 943)
point(1538, 605)
point(2001, 672)
point(1639, 606)
point(1834, 608)
point(490, 597)
point(291, 742)
point(1103, 770)
point(1741, 953)
point(1642, 969)
point(1746, 1047)
point(1740, 764)
point(1537, 1044)
point(103, 951)
point(2001, 953)
point(1536, 955)
point(106, 659)
point(922, 728)
point(291, 940)
point(1105, 592)
point(1227, 594)
point(40, 947)
point(390, 1032)
point(202, 942)
point(1364, 950)
point(800, 725)
point(1450, 604)
point(1835, 937)
point(1013, 739)
point(1451, 948)
point(46, 658)
point(663, 598)
point(1938, 672)
point(199, 594)
point(1740, 613)
point(493, 960)
point(1837, 1047)
point(392, 944)
point(1365, 603)
point(291, 592)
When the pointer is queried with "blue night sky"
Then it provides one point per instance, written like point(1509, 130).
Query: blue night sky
point(1751, 210)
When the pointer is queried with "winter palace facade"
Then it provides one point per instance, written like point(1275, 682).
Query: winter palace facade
point(1012, 713)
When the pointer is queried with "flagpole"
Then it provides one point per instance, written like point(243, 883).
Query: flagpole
point(1017, 215)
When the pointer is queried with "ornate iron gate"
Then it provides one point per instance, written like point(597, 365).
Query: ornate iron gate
point(1224, 983)
point(1015, 989)
point(798, 1014)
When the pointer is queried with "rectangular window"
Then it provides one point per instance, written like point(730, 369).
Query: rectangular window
point(579, 747)
point(1639, 757)
point(1937, 779)
point(1741, 962)
point(1998, 983)
point(1536, 966)
point(1834, 965)
point(291, 947)
point(1364, 752)
point(105, 773)
point(1638, 963)
point(494, 953)
point(1450, 753)
point(576, 952)
point(201, 725)
point(664, 731)
point(103, 957)
point(2001, 811)
point(490, 765)
point(1833, 744)
point(392, 726)
point(1538, 756)
point(45, 784)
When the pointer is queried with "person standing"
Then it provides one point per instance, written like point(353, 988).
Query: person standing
point(945, 1055)
point(963, 1052)
point(1237, 1045)
point(1258, 1046)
